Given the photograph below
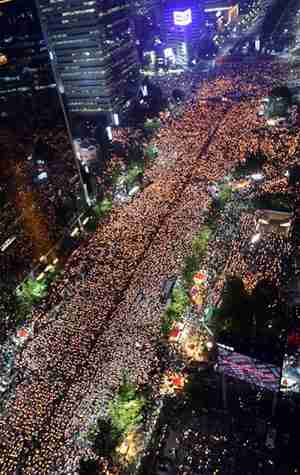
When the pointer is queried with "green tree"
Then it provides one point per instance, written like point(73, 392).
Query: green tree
point(191, 266)
point(268, 312)
point(201, 240)
point(276, 201)
point(135, 171)
point(167, 323)
point(225, 195)
point(125, 410)
point(88, 467)
point(175, 310)
point(103, 208)
point(180, 301)
point(32, 291)
point(92, 433)
point(151, 152)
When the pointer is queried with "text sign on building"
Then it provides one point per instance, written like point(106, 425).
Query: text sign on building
point(183, 18)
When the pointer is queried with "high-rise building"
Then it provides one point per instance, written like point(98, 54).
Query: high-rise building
point(145, 7)
point(182, 23)
point(94, 54)
point(219, 13)
point(147, 19)
point(24, 58)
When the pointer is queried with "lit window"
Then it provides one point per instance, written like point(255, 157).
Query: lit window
point(79, 12)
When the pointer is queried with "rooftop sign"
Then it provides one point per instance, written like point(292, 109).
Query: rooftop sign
point(183, 18)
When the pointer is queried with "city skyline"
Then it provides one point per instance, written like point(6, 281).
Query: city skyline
point(149, 237)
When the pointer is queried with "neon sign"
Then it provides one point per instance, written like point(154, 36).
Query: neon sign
point(183, 18)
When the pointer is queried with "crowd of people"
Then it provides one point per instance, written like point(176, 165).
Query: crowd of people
point(111, 320)
point(198, 437)
point(182, 81)
point(210, 442)
point(53, 197)
point(40, 188)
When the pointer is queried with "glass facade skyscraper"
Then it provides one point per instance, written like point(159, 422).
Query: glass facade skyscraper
point(93, 52)
point(36, 166)
point(182, 24)
point(24, 59)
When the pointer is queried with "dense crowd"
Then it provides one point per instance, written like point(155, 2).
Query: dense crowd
point(31, 209)
point(112, 320)
point(197, 437)
point(212, 443)
point(52, 199)
point(182, 81)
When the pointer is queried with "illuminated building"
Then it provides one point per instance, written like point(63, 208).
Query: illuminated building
point(182, 24)
point(220, 13)
point(93, 54)
point(147, 19)
point(24, 58)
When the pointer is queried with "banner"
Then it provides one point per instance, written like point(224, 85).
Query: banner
point(251, 370)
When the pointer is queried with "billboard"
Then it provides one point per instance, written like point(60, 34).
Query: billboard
point(238, 366)
point(182, 18)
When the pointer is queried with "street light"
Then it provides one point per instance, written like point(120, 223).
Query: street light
point(257, 176)
point(3, 59)
point(255, 238)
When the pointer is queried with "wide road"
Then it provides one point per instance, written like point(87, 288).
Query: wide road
point(104, 328)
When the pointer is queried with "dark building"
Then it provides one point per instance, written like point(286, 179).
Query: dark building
point(146, 7)
point(182, 24)
point(148, 22)
point(24, 58)
point(93, 51)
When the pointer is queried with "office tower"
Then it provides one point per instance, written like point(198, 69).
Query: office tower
point(220, 13)
point(147, 19)
point(150, 12)
point(24, 59)
point(182, 24)
point(147, 8)
point(93, 52)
